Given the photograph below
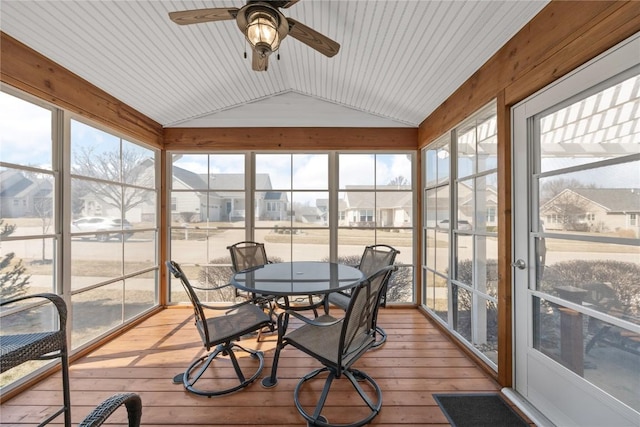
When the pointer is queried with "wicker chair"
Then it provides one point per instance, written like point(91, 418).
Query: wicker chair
point(373, 259)
point(16, 349)
point(338, 344)
point(221, 332)
point(248, 254)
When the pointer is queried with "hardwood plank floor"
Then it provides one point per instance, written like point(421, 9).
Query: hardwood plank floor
point(417, 361)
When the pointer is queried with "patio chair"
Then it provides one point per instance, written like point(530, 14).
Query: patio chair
point(16, 349)
point(248, 254)
point(338, 344)
point(373, 259)
point(219, 333)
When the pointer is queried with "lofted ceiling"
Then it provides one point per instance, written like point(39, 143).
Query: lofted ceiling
point(398, 60)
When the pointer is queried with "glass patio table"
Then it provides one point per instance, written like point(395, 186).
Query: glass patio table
point(286, 279)
point(290, 279)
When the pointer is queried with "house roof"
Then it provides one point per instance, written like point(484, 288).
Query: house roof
point(275, 195)
point(613, 199)
point(190, 179)
point(398, 60)
point(383, 200)
point(13, 183)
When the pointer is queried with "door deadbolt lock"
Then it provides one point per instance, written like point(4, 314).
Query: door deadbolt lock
point(519, 264)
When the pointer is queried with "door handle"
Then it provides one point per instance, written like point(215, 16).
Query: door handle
point(519, 264)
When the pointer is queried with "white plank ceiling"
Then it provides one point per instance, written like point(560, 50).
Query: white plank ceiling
point(398, 60)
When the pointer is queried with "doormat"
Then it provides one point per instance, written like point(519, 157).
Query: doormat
point(477, 410)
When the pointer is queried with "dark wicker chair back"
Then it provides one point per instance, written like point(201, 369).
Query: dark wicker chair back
point(16, 349)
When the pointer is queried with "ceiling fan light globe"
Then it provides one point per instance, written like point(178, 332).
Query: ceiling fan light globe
point(261, 30)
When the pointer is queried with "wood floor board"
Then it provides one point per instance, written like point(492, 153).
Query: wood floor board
point(416, 362)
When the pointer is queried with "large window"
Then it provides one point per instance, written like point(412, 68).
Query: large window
point(79, 220)
point(294, 203)
point(28, 198)
point(208, 213)
point(460, 232)
point(113, 227)
point(375, 193)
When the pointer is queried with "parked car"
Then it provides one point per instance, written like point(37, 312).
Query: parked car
point(463, 224)
point(101, 224)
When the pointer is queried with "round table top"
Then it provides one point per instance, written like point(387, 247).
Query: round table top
point(297, 278)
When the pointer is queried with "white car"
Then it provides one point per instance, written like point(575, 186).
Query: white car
point(100, 224)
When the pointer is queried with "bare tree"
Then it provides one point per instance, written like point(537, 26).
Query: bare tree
point(399, 181)
point(552, 188)
point(129, 167)
point(570, 209)
point(42, 205)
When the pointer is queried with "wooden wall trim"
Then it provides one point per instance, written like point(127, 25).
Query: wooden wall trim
point(290, 139)
point(505, 295)
point(615, 24)
point(564, 35)
point(31, 72)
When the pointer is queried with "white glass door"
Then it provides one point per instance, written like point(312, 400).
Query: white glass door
point(576, 253)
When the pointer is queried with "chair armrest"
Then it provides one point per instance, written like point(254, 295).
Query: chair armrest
point(325, 320)
point(214, 288)
point(227, 308)
point(103, 411)
point(57, 300)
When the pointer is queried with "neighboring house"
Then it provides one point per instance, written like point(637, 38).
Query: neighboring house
point(323, 207)
point(380, 208)
point(467, 206)
point(308, 215)
point(593, 209)
point(273, 206)
point(186, 206)
point(23, 197)
point(222, 199)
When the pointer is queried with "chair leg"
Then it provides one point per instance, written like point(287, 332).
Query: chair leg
point(354, 376)
point(66, 394)
point(381, 337)
point(203, 363)
point(66, 388)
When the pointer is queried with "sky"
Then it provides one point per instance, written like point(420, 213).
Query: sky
point(27, 127)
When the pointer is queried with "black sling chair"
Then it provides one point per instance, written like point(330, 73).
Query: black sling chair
point(338, 344)
point(219, 333)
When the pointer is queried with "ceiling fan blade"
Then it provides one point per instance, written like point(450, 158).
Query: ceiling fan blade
point(259, 62)
point(197, 16)
point(312, 38)
point(289, 3)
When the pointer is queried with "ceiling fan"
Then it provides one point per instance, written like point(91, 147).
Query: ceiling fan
point(264, 27)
